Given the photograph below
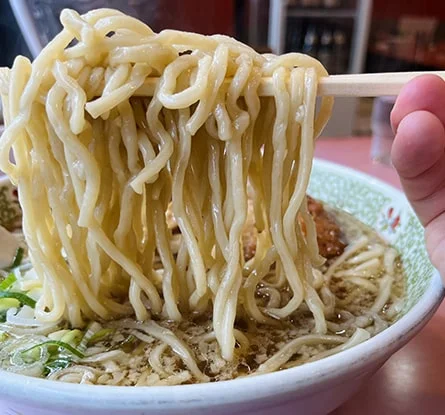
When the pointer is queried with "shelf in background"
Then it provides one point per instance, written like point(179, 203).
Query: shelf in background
point(322, 13)
point(357, 18)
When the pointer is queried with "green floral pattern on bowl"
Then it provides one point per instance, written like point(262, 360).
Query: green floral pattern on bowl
point(383, 208)
point(371, 201)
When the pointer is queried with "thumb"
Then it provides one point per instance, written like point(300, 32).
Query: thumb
point(419, 158)
point(418, 151)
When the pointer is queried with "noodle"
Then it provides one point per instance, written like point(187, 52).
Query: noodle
point(100, 168)
point(153, 166)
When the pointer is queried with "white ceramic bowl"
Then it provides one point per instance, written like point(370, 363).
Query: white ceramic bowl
point(314, 388)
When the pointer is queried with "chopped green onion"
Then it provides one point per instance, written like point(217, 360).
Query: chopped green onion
point(57, 343)
point(3, 316)
point(57, 335)
point(57, 364)
point(72, 337)
point(126, 345)
point(23, 298)
point(7, 282)
point(100, 335)
point(7, 303)
point(32, 355)
point(18, 257)
point(3, 335)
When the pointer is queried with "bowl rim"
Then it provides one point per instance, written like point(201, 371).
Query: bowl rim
point(15, 387)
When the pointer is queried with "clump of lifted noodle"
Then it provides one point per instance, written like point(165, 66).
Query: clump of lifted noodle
point(97, 167)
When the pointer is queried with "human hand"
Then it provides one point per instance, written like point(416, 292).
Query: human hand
point(418, 154)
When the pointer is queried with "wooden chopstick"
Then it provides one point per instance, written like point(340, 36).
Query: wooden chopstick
point(369, 85)
point(355, 85)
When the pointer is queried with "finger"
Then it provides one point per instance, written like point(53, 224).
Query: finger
point(424, 93)
point(418, 154)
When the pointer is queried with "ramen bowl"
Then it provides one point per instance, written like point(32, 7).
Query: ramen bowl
point(313, 388)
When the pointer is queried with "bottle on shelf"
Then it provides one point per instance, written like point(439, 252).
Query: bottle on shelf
point(294, 35)
point(340, 52)
point(382, 133)
point(310, 44)
point(325, 52)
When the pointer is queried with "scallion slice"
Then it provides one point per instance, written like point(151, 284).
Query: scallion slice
point(57, 343)
point(100, 335)
point(7, 282)
point(23, 298)
point(18, 257)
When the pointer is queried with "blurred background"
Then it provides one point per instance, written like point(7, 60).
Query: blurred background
point(347, 36)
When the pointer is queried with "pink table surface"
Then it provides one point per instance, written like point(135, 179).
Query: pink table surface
point(413, 380)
